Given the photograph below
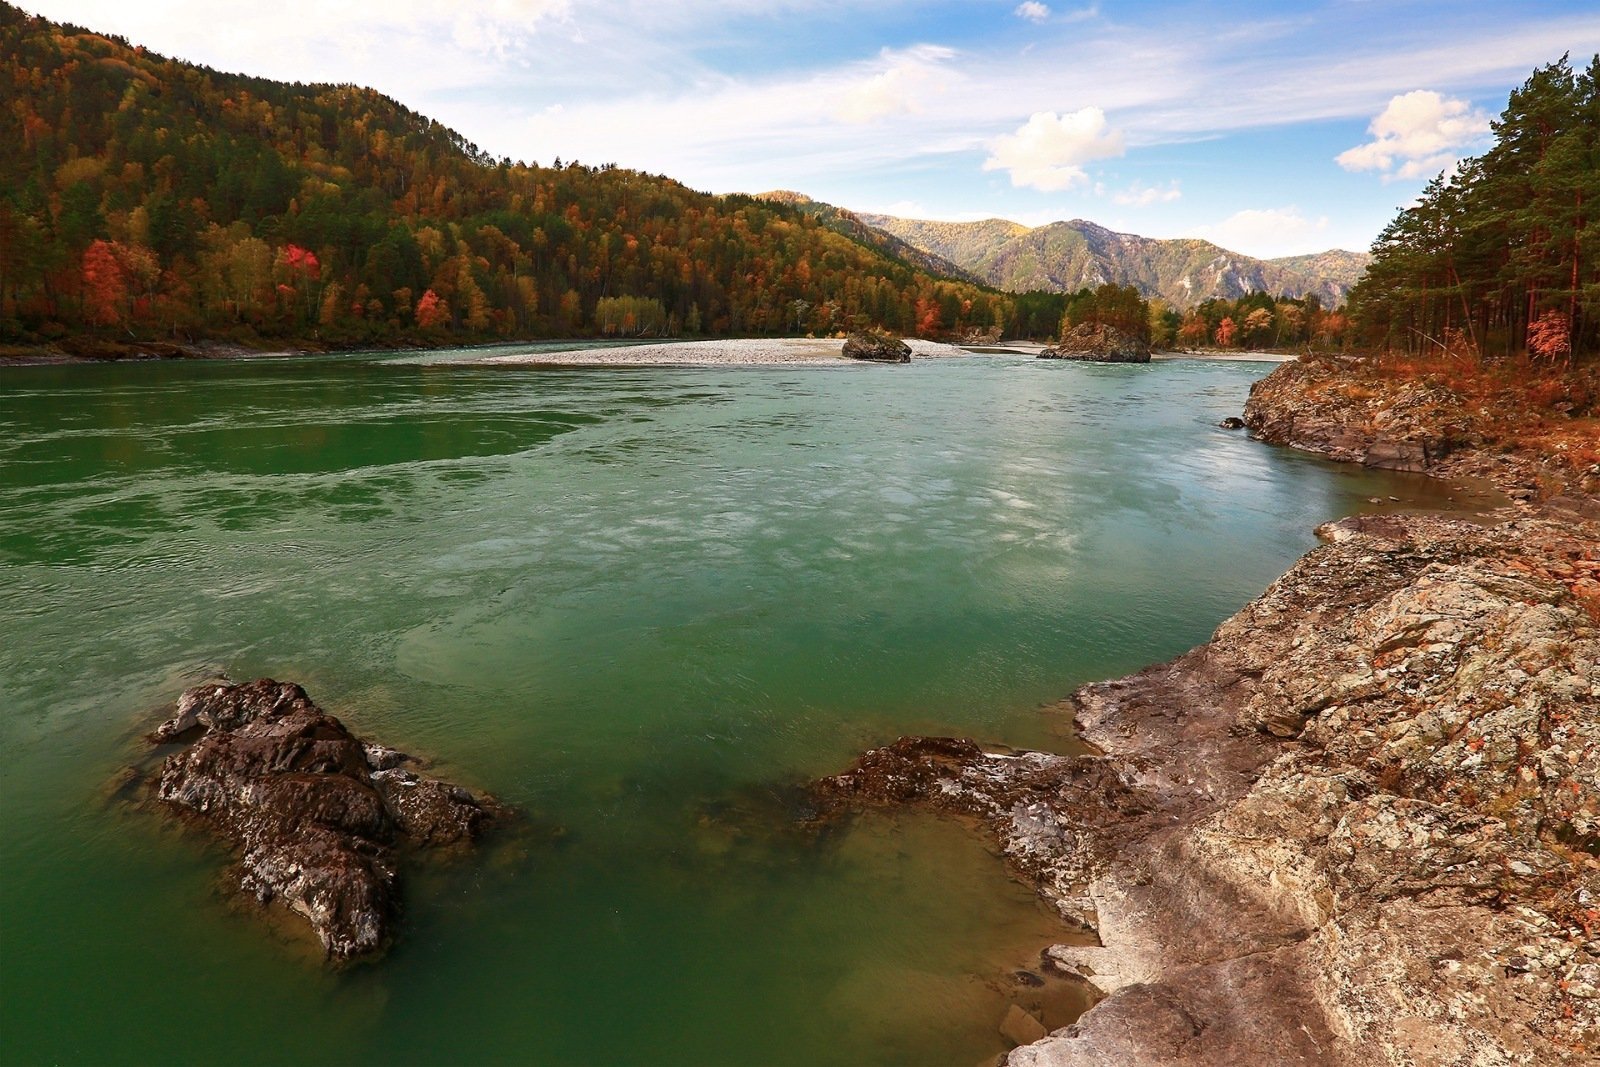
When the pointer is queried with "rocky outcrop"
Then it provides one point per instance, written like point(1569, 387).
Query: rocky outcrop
point(1347, 409)
point(1409, 428)
point(1360, 826)
point(876, 347)
point(1099, 344)
point(318, 818)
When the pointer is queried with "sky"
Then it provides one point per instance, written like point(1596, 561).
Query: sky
point(1270, 128)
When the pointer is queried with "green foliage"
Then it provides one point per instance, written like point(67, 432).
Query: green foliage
point(197, 190)
point(1499, 258)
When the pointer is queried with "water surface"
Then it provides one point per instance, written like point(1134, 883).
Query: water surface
point(641, 604)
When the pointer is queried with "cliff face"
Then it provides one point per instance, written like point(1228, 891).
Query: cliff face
point(1360, 826)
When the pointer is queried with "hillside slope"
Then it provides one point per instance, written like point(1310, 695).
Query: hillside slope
point(1067, 256)
point(144, 197)
point(848, 223)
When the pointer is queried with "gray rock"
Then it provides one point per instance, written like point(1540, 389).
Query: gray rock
point(318, 826)
point(1328, 835)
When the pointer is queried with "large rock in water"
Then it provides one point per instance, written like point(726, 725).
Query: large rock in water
point(318, 817)
point(1100, 344)
point(877, 347)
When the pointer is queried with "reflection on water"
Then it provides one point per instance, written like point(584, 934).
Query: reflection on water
point(628, 602)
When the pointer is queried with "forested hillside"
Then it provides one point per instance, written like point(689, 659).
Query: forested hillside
point(145, 197)
point(1066, 256)
point(1500, 258)
point(847, 222)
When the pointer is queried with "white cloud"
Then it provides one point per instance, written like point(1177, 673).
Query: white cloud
point(403, 47)
point(1140, 195)
point(1268, 232)
point(1049, 150)
point(1033, 11)
point(906, 81)
point(1419, 134)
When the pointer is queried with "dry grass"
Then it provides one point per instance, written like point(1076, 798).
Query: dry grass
point(1519, 404)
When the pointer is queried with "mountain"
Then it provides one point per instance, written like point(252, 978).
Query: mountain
point(1067, 256)
point(1336, 265)
point(145, 198)
point(843, 221)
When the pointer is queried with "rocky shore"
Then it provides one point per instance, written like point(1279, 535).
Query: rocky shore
point(318, 818)
point(1361, 825)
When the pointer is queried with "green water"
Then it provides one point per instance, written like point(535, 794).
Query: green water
point(639, 604)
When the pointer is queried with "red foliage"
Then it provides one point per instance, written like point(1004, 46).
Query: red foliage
point(1226, 330)
point(431, 311)
point(302, 262)
point(105, 287)
point(1550, 336)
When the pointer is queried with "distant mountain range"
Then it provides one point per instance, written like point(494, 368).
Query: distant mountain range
point(1067, 256)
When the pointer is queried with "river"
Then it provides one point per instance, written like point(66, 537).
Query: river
point(642, 605)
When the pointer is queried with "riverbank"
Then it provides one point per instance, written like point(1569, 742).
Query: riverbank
point(1358, 826)
point(90, 350)
point(758, 351)
point(735, 352)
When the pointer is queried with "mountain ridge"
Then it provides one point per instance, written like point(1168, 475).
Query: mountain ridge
point(1069, 255)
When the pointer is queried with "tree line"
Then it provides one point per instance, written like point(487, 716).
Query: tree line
point(1498, 258)
point(145, 197)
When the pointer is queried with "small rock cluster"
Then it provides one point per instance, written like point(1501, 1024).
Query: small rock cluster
point(317, 816)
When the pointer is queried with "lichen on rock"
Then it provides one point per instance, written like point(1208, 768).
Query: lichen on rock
point(1360, 826)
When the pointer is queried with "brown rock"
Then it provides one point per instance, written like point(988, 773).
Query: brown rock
point(876, 347)
point(1098, 343)
point(316, 815)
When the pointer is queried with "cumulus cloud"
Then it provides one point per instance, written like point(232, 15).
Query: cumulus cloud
point(1140, 195)
point(1049, 151)
point(904, 84)
point(1033, 11)
point(1419, 134)
point(1268, 232)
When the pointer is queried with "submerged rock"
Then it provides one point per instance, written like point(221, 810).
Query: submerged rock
point(317, 816)
point(1099, 343)
point(876, 347)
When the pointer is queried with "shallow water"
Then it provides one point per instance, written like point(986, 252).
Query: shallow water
point(641, 604)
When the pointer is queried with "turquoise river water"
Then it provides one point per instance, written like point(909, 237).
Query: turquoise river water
point(640, 604)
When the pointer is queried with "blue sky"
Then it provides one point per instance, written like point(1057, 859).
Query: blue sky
point(1272, 129)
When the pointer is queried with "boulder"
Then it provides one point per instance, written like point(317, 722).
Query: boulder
point(1099, 343)
point(317, 817)
point(876, 347)
point(1232, 422)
